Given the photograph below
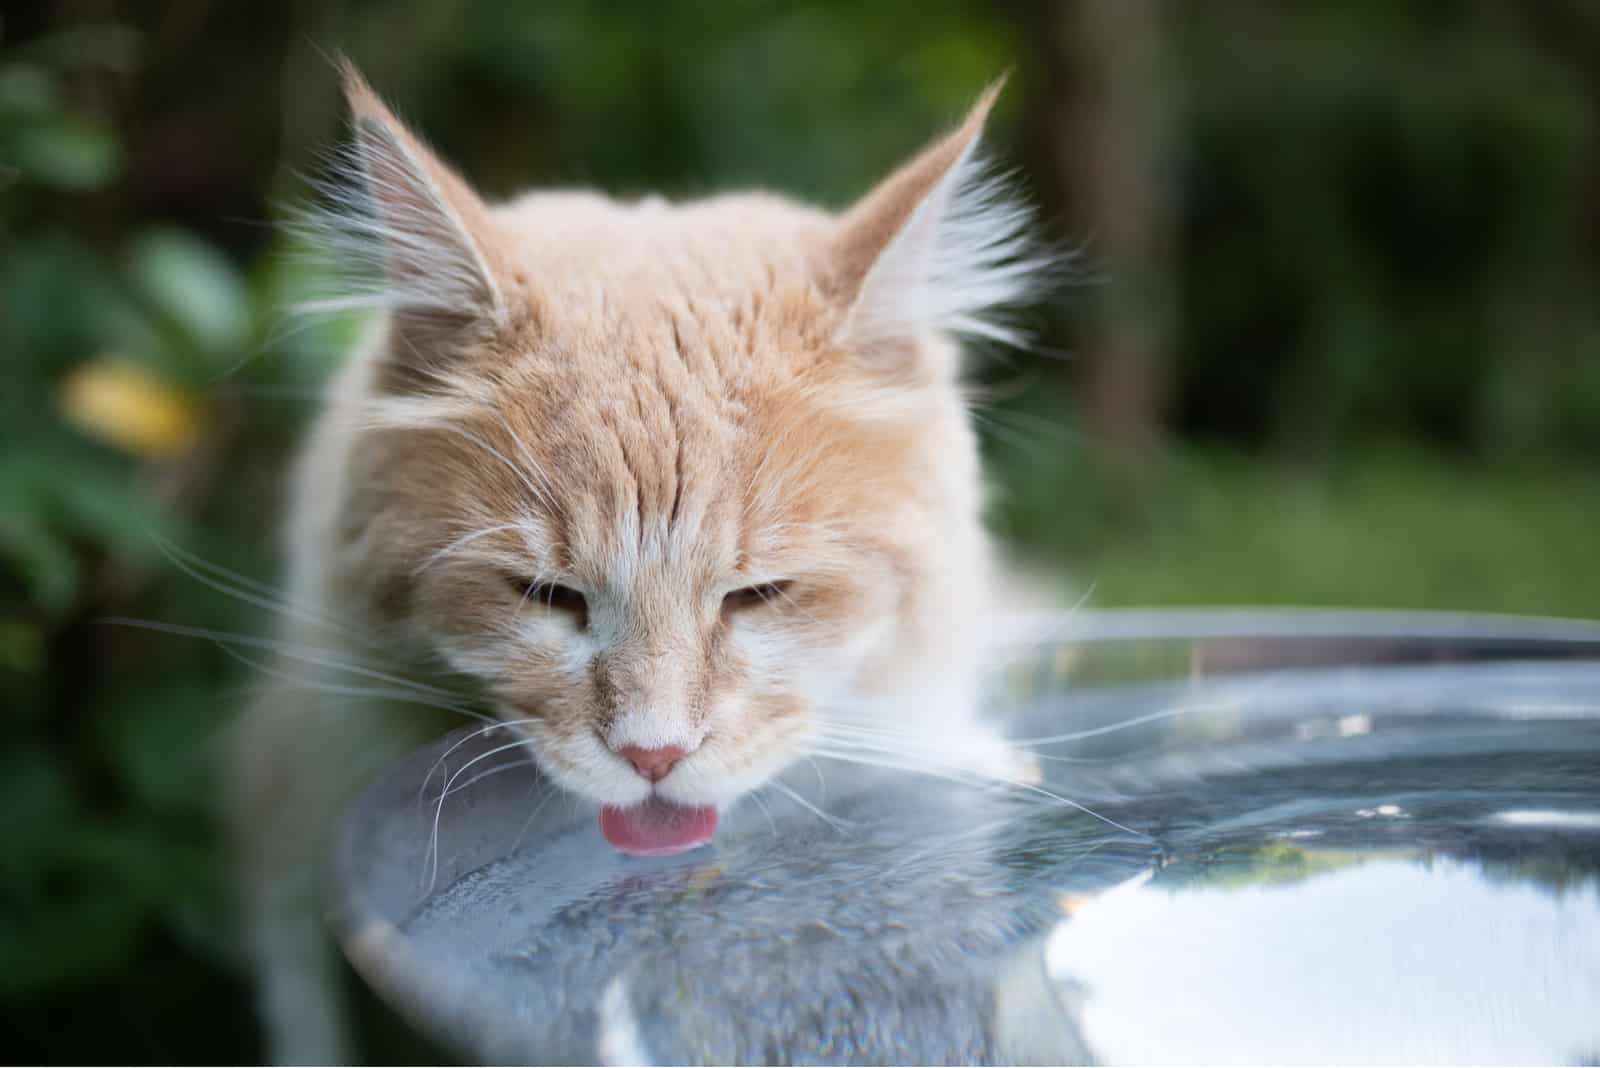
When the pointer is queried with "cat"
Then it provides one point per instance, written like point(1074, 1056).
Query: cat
point(678, 493)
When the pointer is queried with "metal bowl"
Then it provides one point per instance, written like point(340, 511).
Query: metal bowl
point(1255, 836)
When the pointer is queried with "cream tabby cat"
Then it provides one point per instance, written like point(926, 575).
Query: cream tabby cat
point(680, 488)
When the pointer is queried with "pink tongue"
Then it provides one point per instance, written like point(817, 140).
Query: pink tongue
point(657, 829)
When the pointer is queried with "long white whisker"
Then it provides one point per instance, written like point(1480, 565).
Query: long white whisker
point(1112, 728)
point(281, 648)
point(755, 796)
point(822, 785)
point(873, 759)
point(547, 791)
point(496, 724)
point(316, 686)
point(438, 812)
point(461, 543)
point(245, 589)
point(794, 795)
point(530, 762)
point(946, 769)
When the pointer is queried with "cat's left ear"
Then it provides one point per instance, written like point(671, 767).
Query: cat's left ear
point(938, 246)
point(412, 225)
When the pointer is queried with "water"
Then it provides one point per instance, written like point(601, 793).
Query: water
point(1320, 854)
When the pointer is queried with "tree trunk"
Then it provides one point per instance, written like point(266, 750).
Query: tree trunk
point(1107, 130)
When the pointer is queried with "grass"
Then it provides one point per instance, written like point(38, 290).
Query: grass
point(1385, 529)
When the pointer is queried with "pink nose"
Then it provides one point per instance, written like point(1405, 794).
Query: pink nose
point(653, 764)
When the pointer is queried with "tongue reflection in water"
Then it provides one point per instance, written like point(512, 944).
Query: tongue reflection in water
point(657, 828)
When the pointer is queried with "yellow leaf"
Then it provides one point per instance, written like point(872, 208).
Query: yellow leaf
point(131, 408)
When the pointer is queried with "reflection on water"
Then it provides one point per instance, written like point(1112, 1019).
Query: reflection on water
point(1577, 821)
point(1396, 864)
point(1373, 958)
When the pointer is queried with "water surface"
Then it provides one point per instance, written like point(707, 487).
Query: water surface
point(1366, 862)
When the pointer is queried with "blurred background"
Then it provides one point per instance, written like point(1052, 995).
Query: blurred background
point(1333, 340)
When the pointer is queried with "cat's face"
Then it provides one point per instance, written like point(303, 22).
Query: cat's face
point(670, 482)
point(630, 546)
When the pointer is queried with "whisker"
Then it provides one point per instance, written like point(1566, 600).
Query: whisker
point(846, 731)
point(869, 758)
point(248, 590)
point(1120, 725)
point(822, 786)
point(338, 690)
point(438, 812)
point(496, 724)
point(461, 543)
point(794, 795)
point(485, 774)
point(546, 792)
point(286, 649)
point(755, 796)
point(974, 778)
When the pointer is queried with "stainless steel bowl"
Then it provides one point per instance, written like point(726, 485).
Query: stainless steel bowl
point(1255, 836)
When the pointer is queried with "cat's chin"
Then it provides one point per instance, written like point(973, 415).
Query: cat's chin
point(657, 828)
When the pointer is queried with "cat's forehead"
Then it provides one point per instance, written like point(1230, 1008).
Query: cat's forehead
point(660, 463)
point(581, 251)
point(656, 453)
point(660, 336)
point(673, 385)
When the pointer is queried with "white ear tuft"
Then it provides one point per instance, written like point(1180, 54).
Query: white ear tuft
point(966, 257)
point(406, 232)
point(943, 245)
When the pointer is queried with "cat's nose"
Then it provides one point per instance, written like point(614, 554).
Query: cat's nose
point(653, 764)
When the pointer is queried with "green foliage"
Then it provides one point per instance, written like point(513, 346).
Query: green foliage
point(112, 867)
point(1397, 528)
point(1385, 228)
point(47, 143)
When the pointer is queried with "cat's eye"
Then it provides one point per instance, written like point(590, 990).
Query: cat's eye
point(554, 596)
point(762, 595)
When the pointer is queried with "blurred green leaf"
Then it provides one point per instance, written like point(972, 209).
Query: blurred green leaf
point(113, 46)
point(26, 89)
point(104, 879)
point(21, 646)
point(45, 285)
point(194, 287)
point(54, 501)
point(107, 508)
point(35, 791)
point(160, 742)
point(43, 561)
point(63, 152)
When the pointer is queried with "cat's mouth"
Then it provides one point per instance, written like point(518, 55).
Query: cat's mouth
point(657, 828)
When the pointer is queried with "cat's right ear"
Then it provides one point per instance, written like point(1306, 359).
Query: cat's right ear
point(414, 232)
point(938, 246)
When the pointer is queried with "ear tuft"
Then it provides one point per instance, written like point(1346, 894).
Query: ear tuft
point(411, 235)
point(942, 245)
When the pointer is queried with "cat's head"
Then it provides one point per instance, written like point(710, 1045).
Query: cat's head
point(674, 481)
